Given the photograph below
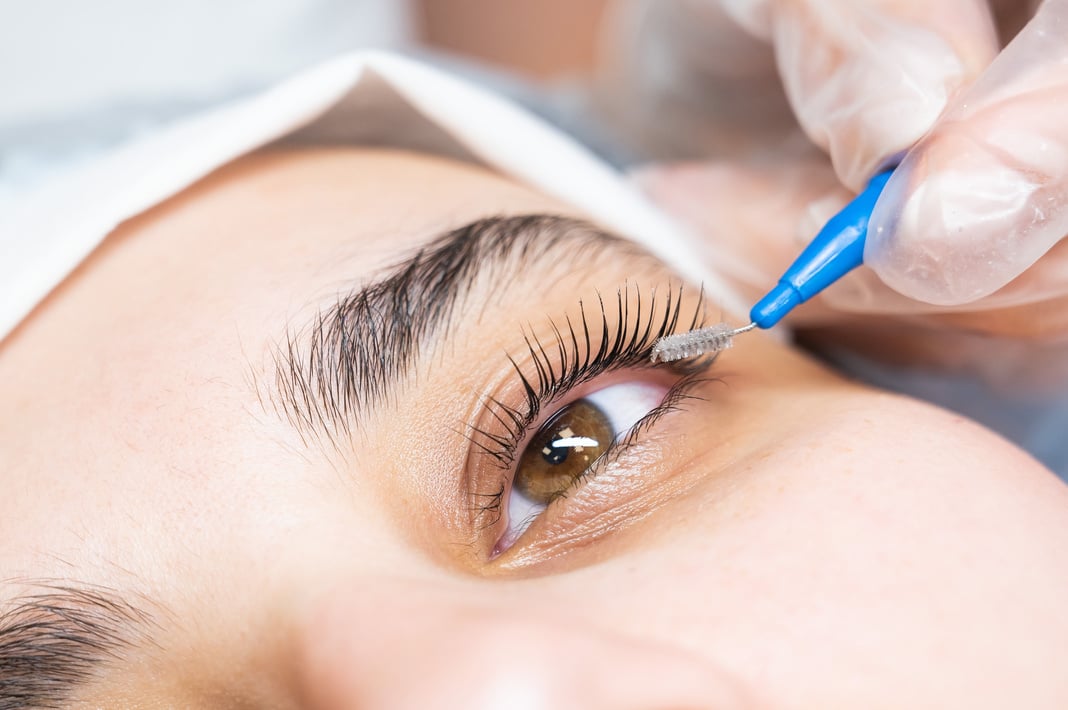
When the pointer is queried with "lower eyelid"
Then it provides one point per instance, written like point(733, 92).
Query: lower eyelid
point(625, 404)
point(628, 487)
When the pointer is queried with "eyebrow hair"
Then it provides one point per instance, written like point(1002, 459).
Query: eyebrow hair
point(59, 637)
point(357, 351)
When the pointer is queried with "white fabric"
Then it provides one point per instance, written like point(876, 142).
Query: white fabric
point(371, 98)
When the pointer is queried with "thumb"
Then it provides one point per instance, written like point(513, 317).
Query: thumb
point(985, 195)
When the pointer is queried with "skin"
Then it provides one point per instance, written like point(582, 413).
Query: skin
point(792, 540)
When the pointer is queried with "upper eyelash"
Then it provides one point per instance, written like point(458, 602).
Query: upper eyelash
point(573, 362)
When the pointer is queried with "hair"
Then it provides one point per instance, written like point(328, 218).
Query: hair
point(58, 638)
point(348, 358)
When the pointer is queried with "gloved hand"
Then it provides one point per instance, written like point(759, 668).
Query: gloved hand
point(984, 195)
point(981, 199)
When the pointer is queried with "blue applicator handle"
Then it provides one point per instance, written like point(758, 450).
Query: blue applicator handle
point(836, 250)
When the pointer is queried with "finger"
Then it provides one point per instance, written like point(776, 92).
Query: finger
point(867, 78)
point(752, 221)
point(985, 195)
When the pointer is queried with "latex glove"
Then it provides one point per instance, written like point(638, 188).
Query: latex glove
point(976, 203)
point(983, 198)
point(864, 78)
point(984, 194)
point(752, 219)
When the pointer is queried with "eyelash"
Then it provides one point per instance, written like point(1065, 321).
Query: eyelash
point(572, 363)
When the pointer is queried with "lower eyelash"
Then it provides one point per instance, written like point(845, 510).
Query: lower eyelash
point(489, 508)
point(574, 362)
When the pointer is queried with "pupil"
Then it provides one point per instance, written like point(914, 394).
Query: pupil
point(555, 455)
point(562, 450)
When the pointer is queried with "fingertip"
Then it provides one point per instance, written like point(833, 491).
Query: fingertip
point(954, 224)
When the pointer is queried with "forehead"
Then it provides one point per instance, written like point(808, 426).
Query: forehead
point(131, 381)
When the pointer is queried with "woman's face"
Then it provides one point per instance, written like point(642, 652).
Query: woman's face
point(280, 443)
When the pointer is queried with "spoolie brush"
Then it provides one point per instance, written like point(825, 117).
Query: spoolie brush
point(697, 342)
point(836, 250)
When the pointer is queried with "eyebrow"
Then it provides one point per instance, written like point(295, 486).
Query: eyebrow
point(355, 353)
point(58, 637)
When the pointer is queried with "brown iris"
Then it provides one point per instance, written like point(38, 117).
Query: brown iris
point(562, 450)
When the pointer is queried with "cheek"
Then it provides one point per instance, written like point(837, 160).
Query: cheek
point(877, 541)
point(433, 644)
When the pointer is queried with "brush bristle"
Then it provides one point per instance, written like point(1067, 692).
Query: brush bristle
point(693, 343)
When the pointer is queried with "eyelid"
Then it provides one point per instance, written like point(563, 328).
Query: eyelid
point(622, 339)
point(558, 365)
point(627, 483)
point(488, 479)
point(624, 403)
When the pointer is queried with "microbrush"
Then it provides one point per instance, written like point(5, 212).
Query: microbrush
point(836, 250)
point(697, 342)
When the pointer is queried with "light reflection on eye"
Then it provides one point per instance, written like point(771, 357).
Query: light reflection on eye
point(564, 448)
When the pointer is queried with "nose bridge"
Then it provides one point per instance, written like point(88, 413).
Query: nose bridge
point(411, 646)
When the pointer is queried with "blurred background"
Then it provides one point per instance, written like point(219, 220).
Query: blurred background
point(58, 56)
point(547, 39)
point(77, 78)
